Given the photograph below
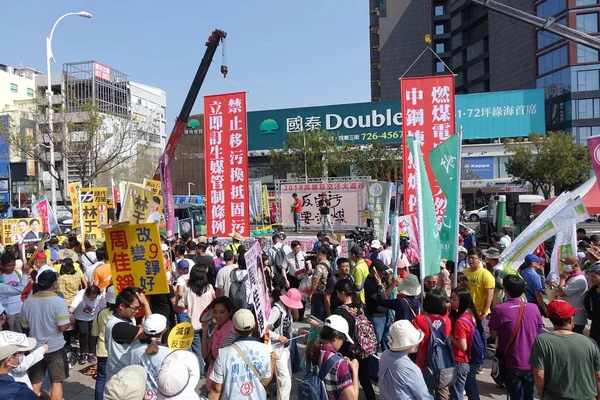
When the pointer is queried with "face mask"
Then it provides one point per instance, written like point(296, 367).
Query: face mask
point(19, 363)
point(567, 268)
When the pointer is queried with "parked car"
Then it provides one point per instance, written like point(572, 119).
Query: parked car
point(476, 215)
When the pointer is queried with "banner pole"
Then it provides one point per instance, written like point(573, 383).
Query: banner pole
point(419, 194)
point(457, 213)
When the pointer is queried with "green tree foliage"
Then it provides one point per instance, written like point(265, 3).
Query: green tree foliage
point(552, 160)
point(377, 160)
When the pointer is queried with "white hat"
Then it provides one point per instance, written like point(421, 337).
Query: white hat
point(164, 247)
point(14, 342)
point(403, 335)
point(375, 244)
point(410, 286)
point(110, 295)
point(178, 376)
point(155, 324)
point(339, 324)
point(243, 320)
point(128, 384)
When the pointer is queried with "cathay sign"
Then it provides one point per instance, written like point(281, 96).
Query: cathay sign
point(374, 120)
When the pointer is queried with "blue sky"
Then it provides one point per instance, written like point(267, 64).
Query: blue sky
point(285, 53)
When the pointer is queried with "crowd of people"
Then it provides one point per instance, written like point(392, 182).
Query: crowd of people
point(375, 324)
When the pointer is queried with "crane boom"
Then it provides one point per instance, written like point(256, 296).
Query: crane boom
point(549, 24)
point(216, 37)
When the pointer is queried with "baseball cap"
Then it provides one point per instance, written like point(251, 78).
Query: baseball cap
point(155, 324)
point(462, 249)
point(164, 247)
point(339, 324)
point(47, 278)
point(183, 265)
point(14, 342)
point(531, 258)
point(202, 240)
point(379, 265)
point(375, 244)
point(40, 256)
point(561, 309)
point(128, 384)
point(178, 376)
point(243, 320)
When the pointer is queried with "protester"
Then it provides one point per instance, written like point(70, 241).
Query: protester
point(582, 235)
point(572, 289)
point(481, 282)
point(318, 284)
point(343, 273)
point(469, 240)
point(128, 384)
point(102, 274)
point(535, 287)
point(408, 305)
point(516, 324)
point(41, 265)
point(9, 282)
point(101, 258)
point(178, 377)
point(565, 365)
point(98, 331)
point(240, 289)
point(245, 352)
point(12, 350)
point(223, 281)
point(386, 255)
point(431, 282)
point(340, 374)
point(236, 240)
point(86, 305)
point(462, 259)
point(360, 270)
point(376, 247)
point(444, 281)
point(505, 237)
point(324, 205)
point(46, 316)
point(399, 377)
point(465, 318)
point(183, 270)
point(278, 254)
point(163, 304)
point(377, 314)
point(69, 282)
point(297, 212)
point(283, 313)
point(496, 242)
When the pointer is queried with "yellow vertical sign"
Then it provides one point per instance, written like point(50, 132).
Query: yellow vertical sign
point(156, 188)
point(136, 258)
point(265, 202)
point(73, 190)
point(137, 204)
point(94, 212)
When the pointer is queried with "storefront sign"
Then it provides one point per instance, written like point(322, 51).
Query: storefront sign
point(476, 168)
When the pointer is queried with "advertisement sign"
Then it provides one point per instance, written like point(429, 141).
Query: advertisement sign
point(4, 147)
point(482, 116)
point(94, 212)
point(136, 258)
point(477, 168)
point(260, 291)
point(137, 204)
point(226, 158)
point(101, 71)
point(21, 230)
point(348, 199)
point(74, 196)
point(594, 147)
point(428, 105)
point(379, 195)
point(197, 199)
point(156, 188)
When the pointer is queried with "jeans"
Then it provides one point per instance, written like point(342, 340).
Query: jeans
point(466, 381)
point(87, 342)
point(519, 383)
point(197, 349)
point(380, 324)
point(326, 220)
point(317, 306)
point(297, 221)
point(100, 379)
point(182, 317)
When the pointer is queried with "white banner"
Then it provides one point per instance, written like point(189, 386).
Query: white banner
point(260, 291)
point(564, 246)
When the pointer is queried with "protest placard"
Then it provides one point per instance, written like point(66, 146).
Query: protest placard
point(260, 292)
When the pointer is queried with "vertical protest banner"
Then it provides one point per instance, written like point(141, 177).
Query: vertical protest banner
point(137, 204)
point(445, 163)
point(167, 192)
point(408, 227)
point(226, 158)
point(260, 291)
point(156, 188)
point(565, 245)
point(257, 190)
point(379, 197)
point(40, 209)
point(115, 192)
point(94, 212)
point(136, 258)
point(265, 202)
point(428, 115)
point(74, 196)
point(594, 149)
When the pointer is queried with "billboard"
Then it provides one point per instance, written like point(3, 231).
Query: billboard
point(21, 230)
point(348, 200)
point(476, 168)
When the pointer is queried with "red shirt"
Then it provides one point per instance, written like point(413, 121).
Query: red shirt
point(463, 330)
point(420, 323)
point(298, 205)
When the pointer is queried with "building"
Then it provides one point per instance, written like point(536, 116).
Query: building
point(486, 51)
point(187, 169)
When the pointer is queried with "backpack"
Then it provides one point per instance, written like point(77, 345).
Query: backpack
point(237, 291)
point(364, 337)
point(279, 259)
point(478, 352)
point(313, 385)
point(439, 371)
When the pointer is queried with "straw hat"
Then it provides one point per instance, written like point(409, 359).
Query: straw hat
point(594, 251)
point(237, 236)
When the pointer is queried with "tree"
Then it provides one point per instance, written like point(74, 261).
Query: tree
point(377, 160)
point(550, 161)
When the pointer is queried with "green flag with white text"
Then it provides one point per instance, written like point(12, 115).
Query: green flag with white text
point(444, 164)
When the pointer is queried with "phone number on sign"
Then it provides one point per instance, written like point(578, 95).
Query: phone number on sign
point(372, 136)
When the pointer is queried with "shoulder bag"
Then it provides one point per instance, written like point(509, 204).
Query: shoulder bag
point(498, 366)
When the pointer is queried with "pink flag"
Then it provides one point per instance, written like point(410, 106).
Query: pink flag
point(115, 192)
point(594, 146)
point(167, 192)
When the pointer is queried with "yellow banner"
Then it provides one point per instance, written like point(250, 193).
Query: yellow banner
point(157, 200)
point(136, 258)
point(265, 202)
point(73, 188)
point(181, 336)
point(94, 213)
point(137, 205)
point(19, 230)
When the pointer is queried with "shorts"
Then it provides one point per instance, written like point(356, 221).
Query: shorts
point(55, 363)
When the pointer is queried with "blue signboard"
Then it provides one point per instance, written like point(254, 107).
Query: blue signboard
point(482, 116)
point(4, 197)
point(4, 149)
point(476, 168)
point(198, 200)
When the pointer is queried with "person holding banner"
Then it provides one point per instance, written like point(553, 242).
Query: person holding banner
point(572, 288)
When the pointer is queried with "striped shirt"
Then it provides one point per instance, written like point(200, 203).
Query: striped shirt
point(43, 313)
point(339, 377)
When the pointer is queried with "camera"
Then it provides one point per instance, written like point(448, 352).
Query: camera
point(214, 241)
point(404, 243)
point(360, 235)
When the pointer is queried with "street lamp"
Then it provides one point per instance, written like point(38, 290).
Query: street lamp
point(189, 191)
point(50, 56)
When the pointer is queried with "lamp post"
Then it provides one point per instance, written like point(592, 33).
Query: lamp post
point(189, 191)
point(50, 56)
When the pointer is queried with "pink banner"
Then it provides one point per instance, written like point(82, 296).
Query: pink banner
point(40, 209)
point(407, 226)
point(594, 146)
point(167, 193)
point(260, 291)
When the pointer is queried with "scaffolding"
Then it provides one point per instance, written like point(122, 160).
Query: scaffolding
point(91, 83)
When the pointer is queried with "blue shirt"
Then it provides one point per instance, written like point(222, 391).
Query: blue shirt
point(468, 241)
point(400, 378)
point(534, 283)
point(12, 390)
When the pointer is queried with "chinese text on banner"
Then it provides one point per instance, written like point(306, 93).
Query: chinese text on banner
point(94, 212)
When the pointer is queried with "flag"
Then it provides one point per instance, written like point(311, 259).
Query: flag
point(565, 245)
point(115, 192)
point(429, 236)
point(167, 192)
point(445, 160)
point(594, 147)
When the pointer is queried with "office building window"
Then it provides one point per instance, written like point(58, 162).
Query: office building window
point(14, 88)
point(439, 10)
point(585, 2)
point(545, 38)
point(553, 60)
point(587, 22)
point(586, 54)
point(587, 80)
point(550, 7)
point(587, 108)
point(439, 67)
point(440, 48)
point(439, 29)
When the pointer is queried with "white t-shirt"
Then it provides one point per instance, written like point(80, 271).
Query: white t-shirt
point(88, 259)
point(89, 271)
point(43, 313)
point(385, 256)
point(506, 241)
point(575, 289)
point(197, 304)
point(291, 264)
point(238, 381)
point(12, 304)
point(85, 309)
point(223, 280)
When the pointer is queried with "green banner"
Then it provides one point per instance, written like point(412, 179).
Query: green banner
point(378, 203)
point(444, 164)
point(429, 237)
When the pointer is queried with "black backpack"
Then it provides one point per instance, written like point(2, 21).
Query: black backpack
point(237, 291)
